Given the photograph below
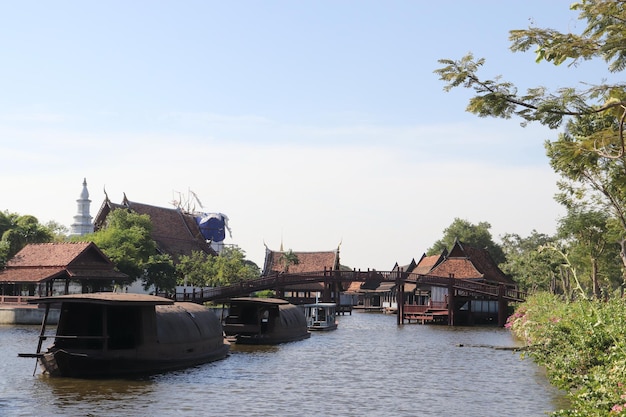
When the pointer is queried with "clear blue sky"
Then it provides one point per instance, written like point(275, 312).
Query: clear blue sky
point(306, 122)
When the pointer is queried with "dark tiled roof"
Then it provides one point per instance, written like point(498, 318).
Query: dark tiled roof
point(427, 263)
point(354, 287)
point(465, 262)
point(405, 268)
point(46, 261)
point(176, 233)
point(307, 262)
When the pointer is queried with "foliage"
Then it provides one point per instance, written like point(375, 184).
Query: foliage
point(160, 272)
point(591, 154)
point(603, 38)
point(582, 345)
point(591, 249)
point(289, 258)
point(593, 173)
point(203, 270)
point(126, 240)
point(17, 231)
point(474, 235)
point(531, 267)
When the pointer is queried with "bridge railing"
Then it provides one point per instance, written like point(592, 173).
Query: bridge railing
point(277, 280)
point(16, 299)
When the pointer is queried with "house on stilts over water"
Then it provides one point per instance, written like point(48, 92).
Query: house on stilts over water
point(460, 287)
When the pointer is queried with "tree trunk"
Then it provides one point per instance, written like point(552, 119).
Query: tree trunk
point(622, 254)
point(594, 278)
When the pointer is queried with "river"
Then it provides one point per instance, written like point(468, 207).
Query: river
point(368, 367)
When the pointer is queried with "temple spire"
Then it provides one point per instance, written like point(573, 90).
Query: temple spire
point(82, 220)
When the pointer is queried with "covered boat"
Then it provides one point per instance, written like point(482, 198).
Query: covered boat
point(264, 321)
point(122, 334)
point(320, 316)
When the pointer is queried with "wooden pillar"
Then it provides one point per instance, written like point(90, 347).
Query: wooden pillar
point(326, 294)
point(337, 293)
point(400, 300)
point(503, 306)
point(451, 302)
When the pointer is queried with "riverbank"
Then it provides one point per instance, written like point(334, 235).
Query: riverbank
point(26, 314)
point(582, 345)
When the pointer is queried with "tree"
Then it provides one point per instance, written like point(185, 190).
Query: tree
point(591, 155)
point(603, 38)
point(126, 240)
point(289, 258)
point(160, 272)
point(204, 270)
point(17, 231)
point(588, 238)
point(231, 266)
point(475, 235)
point(590, 178)
point(194, 270)
point(532, 267)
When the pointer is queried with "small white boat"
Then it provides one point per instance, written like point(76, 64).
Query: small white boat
point(320, 316)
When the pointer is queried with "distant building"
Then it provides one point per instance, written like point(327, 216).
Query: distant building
point(46, 269)
point(82, 220)
point(307, 262)
point(175, 231)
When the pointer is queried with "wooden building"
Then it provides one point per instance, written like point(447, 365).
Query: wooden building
point(433, 299)
point(278, 262)
point(48, 269)
point(175, 232)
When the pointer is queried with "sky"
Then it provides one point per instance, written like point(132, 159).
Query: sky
point(310, 124)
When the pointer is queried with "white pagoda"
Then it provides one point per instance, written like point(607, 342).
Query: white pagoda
point(82, 220)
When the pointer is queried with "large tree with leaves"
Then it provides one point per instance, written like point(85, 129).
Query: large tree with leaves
point(17, 231)
point(126, 240)
point(529, 264)
point(591, 249)
point(591, 154)
point(475, 235)
point(203, 270)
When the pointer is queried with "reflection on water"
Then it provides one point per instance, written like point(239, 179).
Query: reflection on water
point(368, 367)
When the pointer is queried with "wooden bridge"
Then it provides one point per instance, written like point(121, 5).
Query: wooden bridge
point(281, 280)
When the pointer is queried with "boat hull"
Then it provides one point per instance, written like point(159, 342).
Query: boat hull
point(322, 328)
point(63, 363)
point(264, 321)
point(267, 339)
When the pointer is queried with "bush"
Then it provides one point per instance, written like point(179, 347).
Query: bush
point(582, 346)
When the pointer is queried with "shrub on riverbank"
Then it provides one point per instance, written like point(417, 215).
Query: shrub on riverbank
point(582, 345)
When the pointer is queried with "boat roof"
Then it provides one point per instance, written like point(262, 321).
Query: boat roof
point(255, 300)
point(320, 305)
point(111, 298)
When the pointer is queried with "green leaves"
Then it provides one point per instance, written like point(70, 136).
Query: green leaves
point(204, 270)
point(581, 345)
point(126, 240)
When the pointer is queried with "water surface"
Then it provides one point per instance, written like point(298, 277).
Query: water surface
point(369, 367)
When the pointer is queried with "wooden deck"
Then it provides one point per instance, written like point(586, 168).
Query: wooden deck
point(425, 313)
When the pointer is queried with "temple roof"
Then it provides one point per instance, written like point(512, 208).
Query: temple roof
point(466, 262)
point(175, 232)
point(307, 261)
point(45, 261)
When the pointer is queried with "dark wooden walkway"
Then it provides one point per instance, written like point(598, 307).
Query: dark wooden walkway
point(277, 281)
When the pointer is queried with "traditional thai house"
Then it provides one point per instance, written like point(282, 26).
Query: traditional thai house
point(175, 231)
point(463, 286)
point(302, 263)
point(413, 294)
point(48, 269)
